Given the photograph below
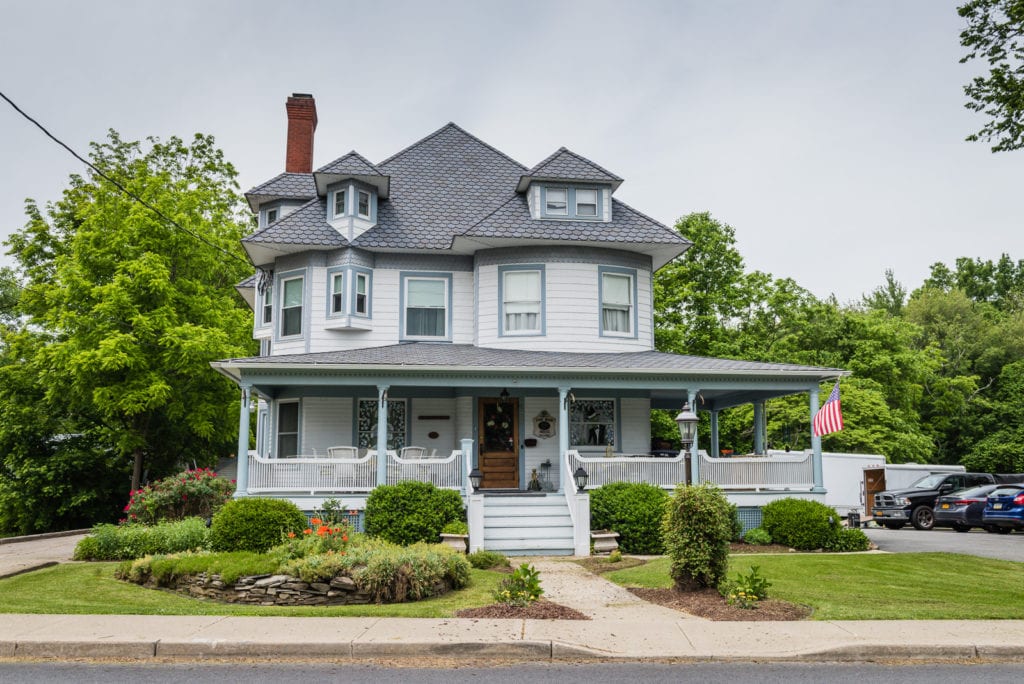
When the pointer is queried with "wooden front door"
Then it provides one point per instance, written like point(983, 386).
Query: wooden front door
point(499, 443)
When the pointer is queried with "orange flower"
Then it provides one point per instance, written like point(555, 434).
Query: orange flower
point(307, 531)
point(344, 537)
point(316, 521)
point(323, 529)
point(291, 535)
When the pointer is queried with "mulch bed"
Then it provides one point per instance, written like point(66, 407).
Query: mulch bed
point(709, 604)
point(538, 610)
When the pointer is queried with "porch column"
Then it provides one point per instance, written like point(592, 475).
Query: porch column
point(563, 437)
point(382, 435)
point(242, 457)
point(694, 458)
point(715, 450)
point(816, 443)
point(758, 427)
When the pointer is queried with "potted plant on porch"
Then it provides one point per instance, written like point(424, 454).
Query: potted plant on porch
point(456, 535)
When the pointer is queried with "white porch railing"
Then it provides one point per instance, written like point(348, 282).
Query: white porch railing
point(444, 473)
point(774, 471)
point(602, 470)
point(317, 474)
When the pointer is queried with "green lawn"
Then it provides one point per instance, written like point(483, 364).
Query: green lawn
point(91, 588)
point(911, 586)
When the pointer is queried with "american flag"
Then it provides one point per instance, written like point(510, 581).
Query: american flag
point(829, 417)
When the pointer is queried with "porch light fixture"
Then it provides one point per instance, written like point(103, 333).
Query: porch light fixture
point(475, 479)
point(687, 422)
point(570, 398)
point(580, 477)
point(503, 397)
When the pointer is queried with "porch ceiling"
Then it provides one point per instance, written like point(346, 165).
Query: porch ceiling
point(665, 378)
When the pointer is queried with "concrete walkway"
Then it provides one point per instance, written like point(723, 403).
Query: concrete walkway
point(622, 627)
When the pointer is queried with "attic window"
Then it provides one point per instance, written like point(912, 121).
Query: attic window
point(271, 216)
point(339, 203)
point(586, 203)
point(364, 204)
point(570, 202)
point(555, 202)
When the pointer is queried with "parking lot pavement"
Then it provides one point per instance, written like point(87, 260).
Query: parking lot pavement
point(975, 543)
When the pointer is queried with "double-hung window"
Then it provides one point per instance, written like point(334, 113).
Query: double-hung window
point(426, 306)
point(522, 301)
point(339, 203)
point(586, 203)
point(617, 303)
point(272, 215)
point(291, 306)
point(570, 202)
point(338, 293)
point(287, 429)
point(364, 204)
point(362, 294)
point(268, 306)
point(556, 202)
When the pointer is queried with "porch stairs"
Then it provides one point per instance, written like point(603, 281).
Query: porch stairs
point(527, 524)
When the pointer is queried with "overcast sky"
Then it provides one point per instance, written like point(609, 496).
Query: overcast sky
point(829, 134)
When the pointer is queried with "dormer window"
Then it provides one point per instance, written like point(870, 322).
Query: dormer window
point(339, 203)
point(569, 202)
point(364, 204)
point(271, 216)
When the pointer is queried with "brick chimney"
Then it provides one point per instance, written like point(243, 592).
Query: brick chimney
point(301, 109)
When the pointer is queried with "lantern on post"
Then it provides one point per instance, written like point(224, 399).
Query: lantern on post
point(687, 422)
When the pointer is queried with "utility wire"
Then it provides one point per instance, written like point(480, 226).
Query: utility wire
point(120, 187)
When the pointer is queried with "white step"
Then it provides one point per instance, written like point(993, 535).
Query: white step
point(515, 511)
point(530, 522)
point(520, 533)
point(532, 545)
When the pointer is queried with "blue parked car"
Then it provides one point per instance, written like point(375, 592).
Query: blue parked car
point(1005, 508)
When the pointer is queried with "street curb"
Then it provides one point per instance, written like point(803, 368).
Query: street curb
point(45, 535)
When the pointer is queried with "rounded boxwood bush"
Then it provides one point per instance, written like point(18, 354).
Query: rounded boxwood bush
point(801, 524)
point(254, 524)
point(698, 527)
point(850, 539)
point(635, 511)
point(758, 537)
point(410, 512)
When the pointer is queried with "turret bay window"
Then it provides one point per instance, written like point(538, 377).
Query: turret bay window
point(618, 302)
point(268, 306)
point(287, 429)
point(363, 209)
point(362, 294)
point(338, 293)
point(339, 203)
point(291, 306)
point(522, 300)
point(427, 306)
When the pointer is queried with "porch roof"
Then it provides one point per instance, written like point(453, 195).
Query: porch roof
point(722, 382)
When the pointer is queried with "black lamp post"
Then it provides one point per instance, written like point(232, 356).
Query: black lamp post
point(687, 422)
point(475, 478)
point(580, 477)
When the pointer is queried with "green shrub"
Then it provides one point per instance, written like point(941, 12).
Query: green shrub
point(746, 590)
point(411, 512)
point(758, 537)
point(615, 556)
point(635, 511)
point(521, 589)
point(254, 524)
point(799, 523)
point(456, 527)
point(164, 570)
point(198, 492)
point(697, 529)
point(849, 539)
point(737, 524)
point(122, 542)
point(485, 560)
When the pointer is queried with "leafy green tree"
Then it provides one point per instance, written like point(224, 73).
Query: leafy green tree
point(137, 307)
point(10, 291)
point(1000, 449)
point(890, 297)
point(995, 34)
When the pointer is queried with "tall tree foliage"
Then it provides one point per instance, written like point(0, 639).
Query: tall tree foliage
point(995, 34)
point(135, 308)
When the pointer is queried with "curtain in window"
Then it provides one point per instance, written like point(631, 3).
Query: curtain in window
point(522, 300)
point(616, 295)
point(425, 314)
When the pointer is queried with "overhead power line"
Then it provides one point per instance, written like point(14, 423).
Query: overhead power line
point(120, 187)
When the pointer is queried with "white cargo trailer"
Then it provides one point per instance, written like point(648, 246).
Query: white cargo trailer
point(843, 478)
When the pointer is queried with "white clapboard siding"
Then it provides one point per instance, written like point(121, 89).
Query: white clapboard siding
point(635, 416)
point(326, 422)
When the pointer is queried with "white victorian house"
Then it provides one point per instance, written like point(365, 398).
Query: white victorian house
point(468, 312)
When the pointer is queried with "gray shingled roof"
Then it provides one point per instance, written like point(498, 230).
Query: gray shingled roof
point(248, 282)
point(628, 226)
point(440, 186)
point(307, 225)
point(353, 164)
point(565, 164)
point(424, 354)
point(284, 186)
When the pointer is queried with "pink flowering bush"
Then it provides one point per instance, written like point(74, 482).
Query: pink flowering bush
point(197, 492)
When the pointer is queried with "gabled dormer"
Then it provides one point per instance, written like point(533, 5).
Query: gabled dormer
point(353, 189)
point(568, 187)
point(280, 196)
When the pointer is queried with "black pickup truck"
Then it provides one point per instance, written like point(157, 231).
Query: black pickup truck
point(894, 508)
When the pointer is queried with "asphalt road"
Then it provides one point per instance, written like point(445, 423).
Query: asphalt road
point(565, 673)
point(976, 542)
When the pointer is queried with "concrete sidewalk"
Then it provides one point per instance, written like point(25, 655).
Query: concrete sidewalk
point(622, 627)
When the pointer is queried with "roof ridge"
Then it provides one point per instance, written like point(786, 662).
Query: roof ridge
point(576, 155)
point(278, 177)
point(350, 153)
point(451, 125)
point(501, 206)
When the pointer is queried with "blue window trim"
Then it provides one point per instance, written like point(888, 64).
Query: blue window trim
point(403, 276)
point(332, 198)
point(279, 279)
point(616, 270)
point(261, 301)
point(502, 270)
point(570, 196)
point(356, 270)
point(331, 272)
point(352, 190)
